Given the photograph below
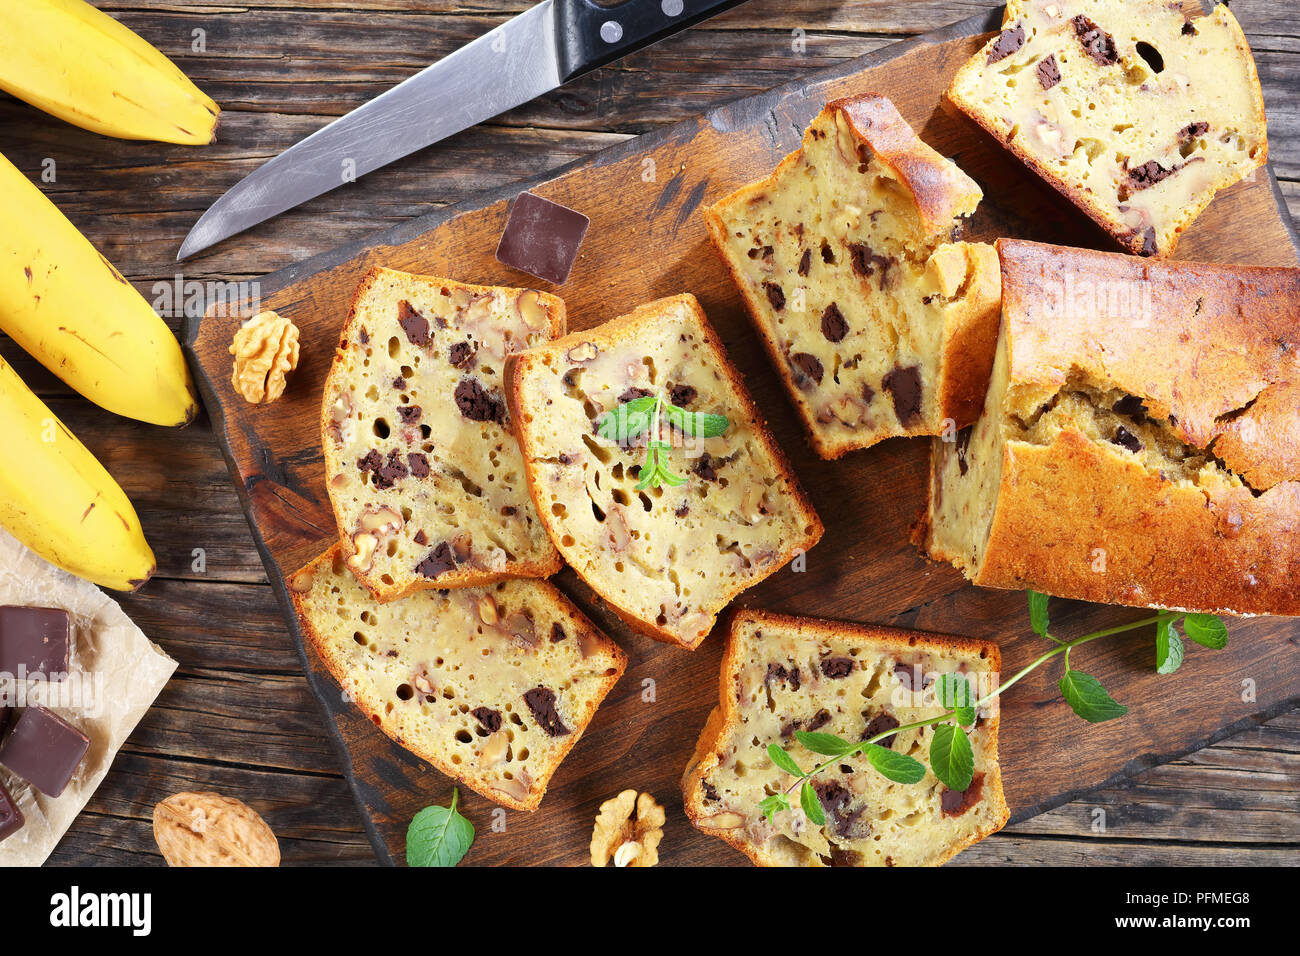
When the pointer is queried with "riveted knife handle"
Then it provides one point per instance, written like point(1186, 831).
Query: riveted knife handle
point(590, 35)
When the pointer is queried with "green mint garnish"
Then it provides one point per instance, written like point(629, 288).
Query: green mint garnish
point(952, 759)
point(647, 415)
point(438, 836)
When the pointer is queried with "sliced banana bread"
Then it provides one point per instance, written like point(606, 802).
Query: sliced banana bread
point(878, 322)
point(652, 469)
point(422, 468)
point(493, 686)
point(1136, 112)
point(1139, 443)
point(785, 674)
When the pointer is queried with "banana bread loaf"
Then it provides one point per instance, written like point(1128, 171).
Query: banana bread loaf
point(493, 686)
point(1139, 443)
point(1135, 112)
point(423, 471)
point(878, 323)
point(653, 471)
point(784, 674)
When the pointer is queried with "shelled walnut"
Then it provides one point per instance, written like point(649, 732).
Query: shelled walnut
point(628, 829)
point(265, 351)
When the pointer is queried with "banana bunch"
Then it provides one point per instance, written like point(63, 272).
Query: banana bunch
point(59, 501)
point(65, 304)
point(76, 63)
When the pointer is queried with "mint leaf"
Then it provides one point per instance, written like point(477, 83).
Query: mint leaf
point(1206, 630)
point(965, 716)
point(812, 807)
point(1169, 647)
point(1038, 613)
point(697, 424)
point(656, 471)
point(770, 805)
point(1088, 698)
point(897, 767)
point(828, 745)
point(783, 760)
point(953, 692)
point(624, 422)
point(438, 836)
point(951, 757)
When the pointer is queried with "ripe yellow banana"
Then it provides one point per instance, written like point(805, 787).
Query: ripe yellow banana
point(59, 501)
point(65, 304)
point(76, 63)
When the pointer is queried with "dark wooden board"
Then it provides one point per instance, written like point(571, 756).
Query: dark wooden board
point(647, 240)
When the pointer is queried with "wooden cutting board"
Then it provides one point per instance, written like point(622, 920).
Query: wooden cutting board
point(648, 240)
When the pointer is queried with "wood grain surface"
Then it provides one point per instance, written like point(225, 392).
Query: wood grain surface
point(238, 716)
point(647, 240)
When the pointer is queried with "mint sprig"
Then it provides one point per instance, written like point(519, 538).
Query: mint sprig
point(647, 415)
point(438, 836)
point(952, 759)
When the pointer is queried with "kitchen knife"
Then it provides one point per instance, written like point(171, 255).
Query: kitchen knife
point(537, 51)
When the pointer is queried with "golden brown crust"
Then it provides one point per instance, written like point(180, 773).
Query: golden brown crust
point(470, 577)
point(613, 333)
point(1213, 352)
point(582, 629)
point(1202, 343)
point(942, 191)
point(725, 718)
point(971, 340)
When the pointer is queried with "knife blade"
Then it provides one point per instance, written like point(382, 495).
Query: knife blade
point(531, 54)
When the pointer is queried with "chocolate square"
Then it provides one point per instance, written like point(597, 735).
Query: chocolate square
point(44, 749)
point(34, 640)
point(11, 818)
point(542, 238)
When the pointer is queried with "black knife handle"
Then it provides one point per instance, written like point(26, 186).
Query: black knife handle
point(591, 35)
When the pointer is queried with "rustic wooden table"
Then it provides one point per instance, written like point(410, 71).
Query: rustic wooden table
point(238, 717)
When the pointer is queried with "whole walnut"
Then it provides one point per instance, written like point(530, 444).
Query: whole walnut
point(265, 351)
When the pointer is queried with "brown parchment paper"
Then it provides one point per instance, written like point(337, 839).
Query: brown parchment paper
point(115, 675)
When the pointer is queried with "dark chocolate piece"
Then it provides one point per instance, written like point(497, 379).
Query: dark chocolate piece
point(1096, 42)
point(810, 367)
point(775, 295)
point(878, 725)
point(542, 238)
point(904, 385)
point(837, 667)
point(438, 561)
point(1049, 74)
point(541, 703)
point(11, 818)
point(834, 325)
point(478, 404)
point(44, 749)
point(413, 323)
point(34, 640)
point(1008, 42)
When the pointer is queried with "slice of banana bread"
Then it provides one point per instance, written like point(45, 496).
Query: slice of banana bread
point(667, 515)
point(493, 686)
point(878, 322)
point(423, 471)
point(1134, 111)
point(785, 674)
point(1139, 443)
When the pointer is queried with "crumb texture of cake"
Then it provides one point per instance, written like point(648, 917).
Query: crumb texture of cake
point(423, 470)
point(1135, 112)
point(784, 674)
point(1139, 443)
point(493, 685)
point(667, 557)
point(878, 322)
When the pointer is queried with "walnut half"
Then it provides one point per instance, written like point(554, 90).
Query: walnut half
point(265, 351)
point(631, 838)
